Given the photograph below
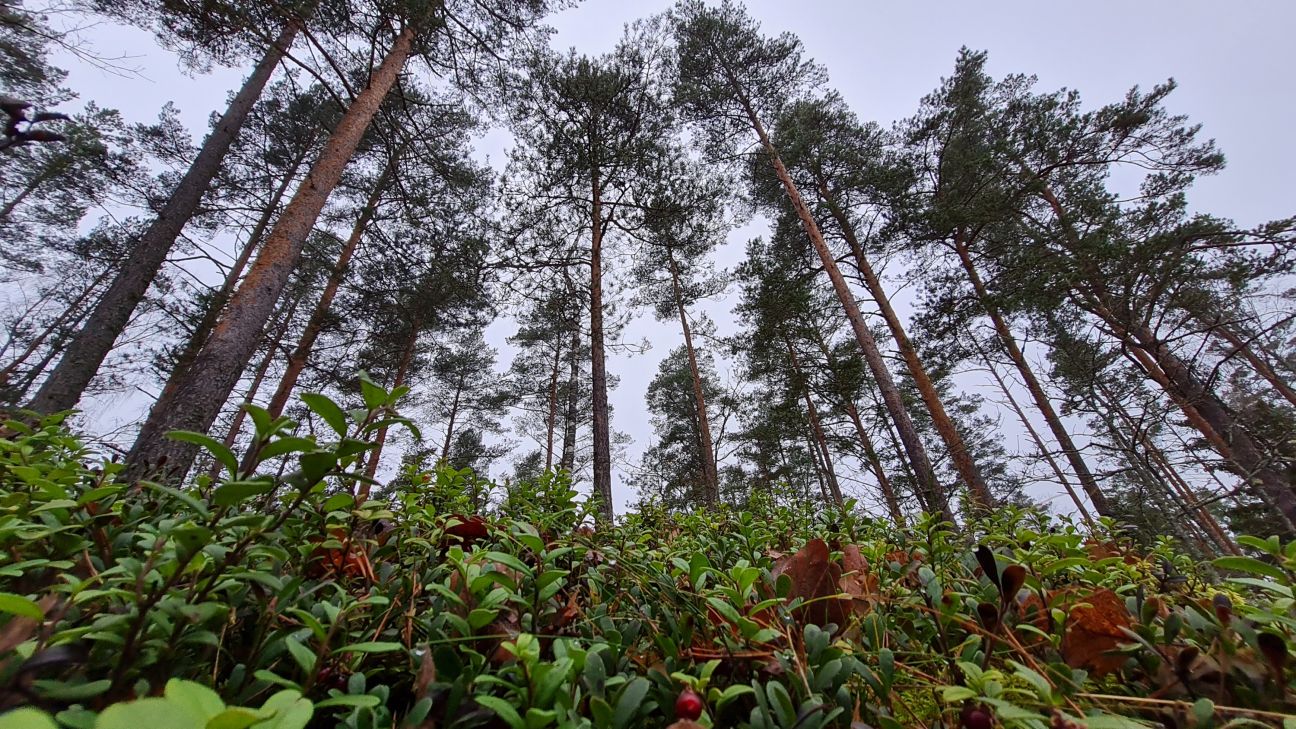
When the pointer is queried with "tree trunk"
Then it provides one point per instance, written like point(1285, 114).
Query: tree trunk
point(551, 418)
point(402, 369)
point(450, 424)
point(959, 455)
point(301, 352)
point(1261, 367)
point(598, 365)
point(815, 426)
point(568, 460)
point(913, 446)
point(217, 305)
point(1033, 385)
point(258, 376)
point(711, 481)
point(875, 465)
point(87, 351)
point(195, 402)
point(59, 322)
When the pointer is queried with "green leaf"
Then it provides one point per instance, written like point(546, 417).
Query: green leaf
point(232, 493)
point(1250, 564)
point(219, 450)
point(27, 718)
point(19, 605)
point(371, 647)
point(236, 717)
point(955, 694)
point(150, 712)
point(200, 700)
point(363, 701)
point(59, 691)
point(291, 711)
point(627, 705)
point(304, 656)
point(289, 444)
point(374, 396)
point(328, 410)
point(503, 709)
point(316, 465)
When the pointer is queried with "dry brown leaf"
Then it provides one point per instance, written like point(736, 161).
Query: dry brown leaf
point(1094, 628)
point(816, 580)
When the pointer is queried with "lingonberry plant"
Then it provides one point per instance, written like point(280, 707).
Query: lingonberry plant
point(287, 601)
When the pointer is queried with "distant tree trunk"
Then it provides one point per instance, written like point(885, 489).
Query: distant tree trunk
point(875, 465)
point(598, 364)
point(551, 418)
point(58, 323)
point(450, 423)
point(380, 439)
point(91, 345)
point(568, 460)
point(1033, 386)
point(1261, 367)
point(945, 428)
point(815, 426)
point(711, 481)
point(300, 353)
point(194, 403)
point(217, 304)
point(1204, 409)
point(913, 445)
point(1040, 445)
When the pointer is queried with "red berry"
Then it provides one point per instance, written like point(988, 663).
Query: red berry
point(976, 717)
point(688, 705)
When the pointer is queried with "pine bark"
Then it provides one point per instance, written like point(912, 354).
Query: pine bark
point(301, 352)
point(962, 459)
point(195, 401)
point(598, 363)
point(91, 345)
point(1033, 385)
point(710, 479)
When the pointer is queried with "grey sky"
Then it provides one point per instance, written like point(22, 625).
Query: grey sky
point(1232, 62)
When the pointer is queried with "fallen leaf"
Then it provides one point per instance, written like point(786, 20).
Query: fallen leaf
point(1093, 628)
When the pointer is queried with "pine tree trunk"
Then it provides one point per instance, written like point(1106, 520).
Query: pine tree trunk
point(450, 424)
point(1199, 403)
point(945, 428)
point(87, 351)
point(58, 323)
point(598, 364)
point(301, 352)
point(568, 460)
point(1038, 396)
point(551, 418)
point(1261, 367)
point(816, 427)
point(217, 304)
point(913, 445)
point(380, 439)
point(195, 402)
point(711, 481)
point(875, 465)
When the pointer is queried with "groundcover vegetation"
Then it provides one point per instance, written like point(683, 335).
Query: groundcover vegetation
point(290, 593)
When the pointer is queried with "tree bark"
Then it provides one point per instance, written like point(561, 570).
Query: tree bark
point(217, 305)
point(450, 424)
point(568, 460)
point(402, 369)
point(941, 421)
point(91, 345)
point(1033, 385)
point(301, 352)
point(598, 365)
point(711, 481)
point(195, 401)
point(913, 446)
point(816, 427)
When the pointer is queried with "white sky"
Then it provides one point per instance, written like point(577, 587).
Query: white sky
point(1232, 62)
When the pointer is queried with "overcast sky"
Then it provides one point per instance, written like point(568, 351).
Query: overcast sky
point(1232, 61)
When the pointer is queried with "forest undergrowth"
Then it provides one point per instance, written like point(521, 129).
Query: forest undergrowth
point(290, 592)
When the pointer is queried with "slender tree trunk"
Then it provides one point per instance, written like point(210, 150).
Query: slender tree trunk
point(301, 352)
point(63, 388)
point(258, 376)
point(51, 170)
point(1261, 367)
point(875, 465)
point(56, 324)
point(1040, 445)
point(815, 426)
point(195, 401)
point(568, 460)
point(598, 365)
point(711, 481)
point(913, 446)
point(1033, 385)
point(380, 439)
point(1200, 404)
point(964, 464)
point(551, 418)
point(217, 304)
point(450, 424)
